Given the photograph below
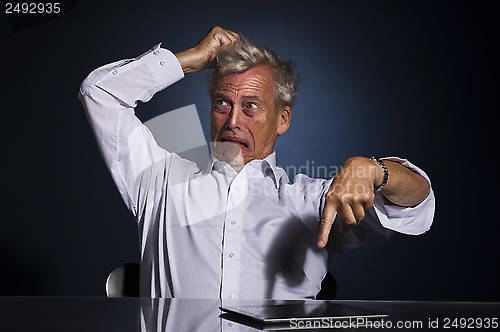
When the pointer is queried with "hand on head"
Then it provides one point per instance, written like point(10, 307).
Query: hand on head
point(203, 55)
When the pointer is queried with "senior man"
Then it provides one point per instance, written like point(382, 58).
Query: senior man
point(238, 228)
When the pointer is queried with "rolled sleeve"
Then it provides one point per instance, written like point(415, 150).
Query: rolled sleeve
point(407, 220)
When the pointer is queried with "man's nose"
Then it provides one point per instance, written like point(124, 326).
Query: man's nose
point(236, 119)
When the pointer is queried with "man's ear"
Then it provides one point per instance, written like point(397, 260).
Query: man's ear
point(284, 120)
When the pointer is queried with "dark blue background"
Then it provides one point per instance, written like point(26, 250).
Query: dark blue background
point(416, 79)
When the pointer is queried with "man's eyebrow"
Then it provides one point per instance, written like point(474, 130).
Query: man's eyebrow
point(222, 95)
point(252, 97)
point(218, 95)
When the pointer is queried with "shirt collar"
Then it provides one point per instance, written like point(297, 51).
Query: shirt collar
point(267, 166)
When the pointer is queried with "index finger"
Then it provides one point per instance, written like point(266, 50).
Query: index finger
point(235, 35)
point(327, 219)
point(228, 37)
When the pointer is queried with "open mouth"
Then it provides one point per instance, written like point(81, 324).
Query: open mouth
point(240, 142)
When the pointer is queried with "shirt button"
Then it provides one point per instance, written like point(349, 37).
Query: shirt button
point(231, 254)
point(229, 296)
point(162, 63)
point(114, 72)
point(233, 222)
point(238, 188)
point(156, 52)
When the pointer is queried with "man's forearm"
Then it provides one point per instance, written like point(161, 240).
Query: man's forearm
point(190, 60)
point(404, 187)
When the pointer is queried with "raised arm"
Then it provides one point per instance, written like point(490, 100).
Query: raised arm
point(110, 94)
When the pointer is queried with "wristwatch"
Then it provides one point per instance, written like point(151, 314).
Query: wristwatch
point(384, 168)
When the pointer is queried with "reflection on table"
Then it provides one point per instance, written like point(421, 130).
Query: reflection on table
point(169, 315)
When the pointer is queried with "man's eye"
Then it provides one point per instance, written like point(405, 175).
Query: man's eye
point(222, 106)
point(250, 107)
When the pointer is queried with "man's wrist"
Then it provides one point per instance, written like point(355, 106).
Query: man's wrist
point(381, 178)
point(183, 58)
point(366, 168)
point(191, 60)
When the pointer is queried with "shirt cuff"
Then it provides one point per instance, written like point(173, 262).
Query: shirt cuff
point(140, 78)
point(163, 65)
point(407, 220)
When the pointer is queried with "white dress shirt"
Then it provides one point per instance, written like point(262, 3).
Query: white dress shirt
point(214, 232)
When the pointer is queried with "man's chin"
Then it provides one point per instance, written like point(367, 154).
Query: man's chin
point(229, 153)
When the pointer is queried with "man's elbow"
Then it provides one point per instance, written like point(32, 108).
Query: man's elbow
point(423, 191)
point(86, 88)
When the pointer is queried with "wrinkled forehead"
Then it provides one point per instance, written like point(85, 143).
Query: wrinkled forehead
point(254, 80)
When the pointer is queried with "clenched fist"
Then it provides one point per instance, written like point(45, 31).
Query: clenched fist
point(203, 55)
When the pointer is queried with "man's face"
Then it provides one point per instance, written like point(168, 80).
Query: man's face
point(245, 121)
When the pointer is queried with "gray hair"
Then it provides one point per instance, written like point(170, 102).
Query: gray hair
point(246, 55)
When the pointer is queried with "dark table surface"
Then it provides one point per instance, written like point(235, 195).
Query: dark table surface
point(154, 315)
